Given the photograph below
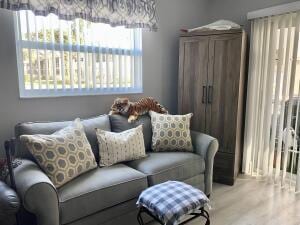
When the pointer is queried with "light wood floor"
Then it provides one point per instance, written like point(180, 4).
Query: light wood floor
point(252, 202)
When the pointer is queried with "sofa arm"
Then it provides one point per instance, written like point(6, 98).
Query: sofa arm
point(38, 194)
point(9, 200)
point(206, 146)
point(9, 204)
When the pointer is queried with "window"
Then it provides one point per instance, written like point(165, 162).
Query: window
point(64, 58)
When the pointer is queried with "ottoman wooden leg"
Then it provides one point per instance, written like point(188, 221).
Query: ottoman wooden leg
point(140, 218)
point(205, 215)
point(202, 212)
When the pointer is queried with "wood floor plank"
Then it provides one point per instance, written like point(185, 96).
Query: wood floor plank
point(252, 202)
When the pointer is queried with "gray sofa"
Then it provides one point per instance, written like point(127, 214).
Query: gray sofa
point(106, 195)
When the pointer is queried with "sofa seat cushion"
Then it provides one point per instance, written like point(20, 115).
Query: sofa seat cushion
point(99, 189)
point(163, 166)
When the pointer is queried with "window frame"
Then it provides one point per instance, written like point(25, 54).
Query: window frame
point(49, 93)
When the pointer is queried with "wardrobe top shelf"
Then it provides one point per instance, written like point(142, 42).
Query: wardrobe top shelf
point(210, 32)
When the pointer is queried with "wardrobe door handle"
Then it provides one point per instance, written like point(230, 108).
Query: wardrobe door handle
point(204, 94)
point(210, 94)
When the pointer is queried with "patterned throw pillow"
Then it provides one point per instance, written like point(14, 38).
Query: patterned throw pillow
point(171, 132)
point(62, 155)
point(120, 147)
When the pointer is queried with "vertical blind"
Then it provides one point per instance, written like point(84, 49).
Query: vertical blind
point(271, 144)
point(58, 58)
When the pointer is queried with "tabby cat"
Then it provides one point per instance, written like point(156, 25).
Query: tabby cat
point(135, 109)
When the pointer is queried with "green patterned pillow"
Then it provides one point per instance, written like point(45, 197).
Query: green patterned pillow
point(62, 155)
point(171, 132)
point(120, 147)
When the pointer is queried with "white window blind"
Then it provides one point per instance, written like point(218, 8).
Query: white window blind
point(271, 145)
point(65, 58)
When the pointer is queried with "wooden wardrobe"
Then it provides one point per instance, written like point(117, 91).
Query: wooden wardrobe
point(211, 86)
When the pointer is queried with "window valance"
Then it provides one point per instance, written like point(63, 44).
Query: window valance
point(128, 13)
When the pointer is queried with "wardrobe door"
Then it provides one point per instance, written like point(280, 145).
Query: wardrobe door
point(192, 94)
point(223, 89)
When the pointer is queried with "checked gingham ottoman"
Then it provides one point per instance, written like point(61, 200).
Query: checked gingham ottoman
point(170, 202)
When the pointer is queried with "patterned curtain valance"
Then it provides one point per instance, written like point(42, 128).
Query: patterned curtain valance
point(128, 13)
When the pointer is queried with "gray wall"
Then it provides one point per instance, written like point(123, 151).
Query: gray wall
point(160, 62)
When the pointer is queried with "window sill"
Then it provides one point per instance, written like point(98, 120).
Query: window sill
point(75, 92)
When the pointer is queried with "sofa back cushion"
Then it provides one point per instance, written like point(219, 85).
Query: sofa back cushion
point(171, 132)
point(90, 125)
point(120, 147)
point(63, 155)
point(119, 123)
